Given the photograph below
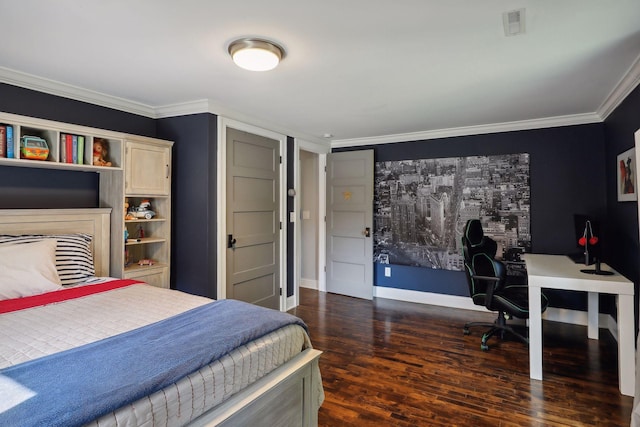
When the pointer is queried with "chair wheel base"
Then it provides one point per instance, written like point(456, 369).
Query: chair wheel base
point(483, 341)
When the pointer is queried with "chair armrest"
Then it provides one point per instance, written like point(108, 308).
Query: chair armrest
point(489, 292)
point(489, 278)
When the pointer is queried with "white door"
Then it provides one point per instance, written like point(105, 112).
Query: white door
point(350, 223)
point(253, 218)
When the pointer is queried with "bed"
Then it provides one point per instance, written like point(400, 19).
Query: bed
point(63, 349)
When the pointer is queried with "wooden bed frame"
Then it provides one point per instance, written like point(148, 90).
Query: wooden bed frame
point(288, 396)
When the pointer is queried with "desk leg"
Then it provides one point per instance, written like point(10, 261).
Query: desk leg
point(592, 329)
point(626, 345)
point(535, 332)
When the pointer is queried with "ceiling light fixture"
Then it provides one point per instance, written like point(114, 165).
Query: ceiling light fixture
point(256, 54)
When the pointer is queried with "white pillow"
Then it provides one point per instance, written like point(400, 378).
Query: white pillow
point(28, 269)
point(74, 258)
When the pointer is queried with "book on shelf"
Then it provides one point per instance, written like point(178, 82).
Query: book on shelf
point(80, 149)
point(63, 148)
point(74, 149)
point(3, 141)
point(10, 152)
point(69, 148)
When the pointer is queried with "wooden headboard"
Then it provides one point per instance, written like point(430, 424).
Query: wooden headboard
point(93, 221)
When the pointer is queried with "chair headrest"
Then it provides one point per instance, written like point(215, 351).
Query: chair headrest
point(473, 232)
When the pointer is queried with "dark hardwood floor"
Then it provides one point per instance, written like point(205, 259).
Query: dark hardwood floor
point(392, 363)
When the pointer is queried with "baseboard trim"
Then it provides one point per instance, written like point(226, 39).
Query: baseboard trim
point(309, 283)
point(553, 314)
point(291, 303)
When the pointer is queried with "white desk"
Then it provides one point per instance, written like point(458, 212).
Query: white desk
point(560, 272)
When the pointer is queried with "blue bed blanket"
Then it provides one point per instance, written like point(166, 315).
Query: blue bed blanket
point(79, 385)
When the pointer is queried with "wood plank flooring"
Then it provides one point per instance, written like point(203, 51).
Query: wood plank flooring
point(392, 363)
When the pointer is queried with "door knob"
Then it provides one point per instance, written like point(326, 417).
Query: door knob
point(231, 242)
point(367, 232)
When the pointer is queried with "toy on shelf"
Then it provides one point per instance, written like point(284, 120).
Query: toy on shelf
point(140, 232)
point(145, 262)
point(142, 211)
point(127, 214)
point(33, 148)
point(100, 151)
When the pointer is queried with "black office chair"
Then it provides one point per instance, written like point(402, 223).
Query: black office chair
point(488, 285)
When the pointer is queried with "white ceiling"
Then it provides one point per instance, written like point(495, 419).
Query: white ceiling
point(356, 69)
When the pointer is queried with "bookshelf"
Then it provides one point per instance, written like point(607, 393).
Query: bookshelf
point(146, 178)
point(140, 171)
point(59, 138)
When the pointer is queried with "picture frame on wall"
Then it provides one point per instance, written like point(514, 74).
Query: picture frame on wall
point(626, 173)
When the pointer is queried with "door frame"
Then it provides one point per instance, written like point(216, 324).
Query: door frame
point(321, 151)
point(221, 277)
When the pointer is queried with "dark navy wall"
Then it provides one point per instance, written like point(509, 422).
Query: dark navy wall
point(41, 105)
point(26, 188)
point(567, 174)
point(193, 252)
point(622, 224)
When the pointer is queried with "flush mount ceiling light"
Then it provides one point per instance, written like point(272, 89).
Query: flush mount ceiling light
point(256, 54)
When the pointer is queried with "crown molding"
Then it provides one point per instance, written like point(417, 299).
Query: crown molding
point(575, 119)
point(52, 87)
point(627, 84)
point(182, 109)
point(207, 106)
point(624, 87)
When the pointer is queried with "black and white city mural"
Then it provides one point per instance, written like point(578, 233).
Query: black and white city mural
point(421, 207)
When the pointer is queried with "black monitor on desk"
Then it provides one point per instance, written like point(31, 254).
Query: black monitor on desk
point(588, 239)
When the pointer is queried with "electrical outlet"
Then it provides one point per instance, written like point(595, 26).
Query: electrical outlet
point(387, 272)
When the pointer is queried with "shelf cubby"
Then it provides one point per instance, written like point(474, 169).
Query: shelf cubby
point(54, 133)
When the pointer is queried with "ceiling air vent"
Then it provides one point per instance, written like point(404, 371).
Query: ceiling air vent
point(513, 22)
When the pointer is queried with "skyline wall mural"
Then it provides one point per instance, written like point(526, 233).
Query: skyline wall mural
point(421, 207)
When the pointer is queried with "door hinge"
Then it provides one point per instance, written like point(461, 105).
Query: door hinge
point(325, 268)
point(280, 159)
point(280, 225)
point(280, 291)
